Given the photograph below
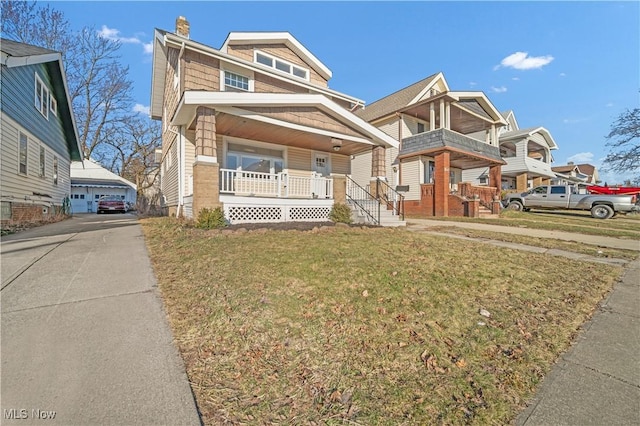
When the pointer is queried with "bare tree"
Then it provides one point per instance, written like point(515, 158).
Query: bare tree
point(624, 144)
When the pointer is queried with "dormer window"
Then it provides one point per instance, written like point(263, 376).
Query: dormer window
point(281, 65)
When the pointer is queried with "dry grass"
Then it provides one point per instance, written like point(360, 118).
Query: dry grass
point(582, 248)
point(626, 227)
point(362, 326)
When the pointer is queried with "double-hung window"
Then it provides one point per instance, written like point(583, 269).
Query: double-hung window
point(23, 151)
point(250, 159)
point(41, 97)
point(42, 161)
point(235, 81)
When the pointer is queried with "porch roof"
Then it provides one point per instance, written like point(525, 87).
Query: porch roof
point(528, 132)
point(465, 152)
point(238, 104)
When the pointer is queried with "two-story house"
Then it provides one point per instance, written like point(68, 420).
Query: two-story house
point(527, 153)
point(253, 127)
point(39, 136)
point(441, 133)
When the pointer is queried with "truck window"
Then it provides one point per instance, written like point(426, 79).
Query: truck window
point(558, 190)
point(539, 190)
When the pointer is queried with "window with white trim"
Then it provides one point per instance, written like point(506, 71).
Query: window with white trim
point(281, 65)
point(235, 81)
point(23, 150)
point(254, 159)
point(41, 98)
point(42, 161)
point(53, 106)
point(55, 170)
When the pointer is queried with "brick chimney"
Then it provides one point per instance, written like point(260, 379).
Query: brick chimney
point(182, 27)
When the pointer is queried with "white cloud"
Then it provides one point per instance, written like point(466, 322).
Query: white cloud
point(515, 78)
point(500, 89)
point(473, 84)
point(581, 157)
point(522, 61)
point(609, 104)
point(114, 35)
point(562, 74)
point(141, 109)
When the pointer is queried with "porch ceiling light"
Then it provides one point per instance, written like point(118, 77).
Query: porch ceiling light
point(337, 144)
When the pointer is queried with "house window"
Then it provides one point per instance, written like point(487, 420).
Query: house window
point(42, 158)
point(254, 159)
point(55, 170)
point(53, 106)
point(484, 180)
point(281, 65)
point(236, 81)
point(23, 153)
point(420, 127)
point(41, 97)
point(429, 171)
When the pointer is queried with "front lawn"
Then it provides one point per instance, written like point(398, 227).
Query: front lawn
point(370, 326)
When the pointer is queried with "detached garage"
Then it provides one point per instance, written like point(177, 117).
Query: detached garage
point(90, 181)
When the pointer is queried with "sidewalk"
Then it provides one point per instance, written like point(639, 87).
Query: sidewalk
point(597, 382)
point(84, 336)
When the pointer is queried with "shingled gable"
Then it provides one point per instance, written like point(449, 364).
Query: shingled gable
point(261, 38)
point(396, 101)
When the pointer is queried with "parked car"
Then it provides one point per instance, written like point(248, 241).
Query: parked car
point(111, 204)
point(563, 197)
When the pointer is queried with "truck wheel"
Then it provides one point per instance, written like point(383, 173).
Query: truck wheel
point(601, 211)
point(516, 206)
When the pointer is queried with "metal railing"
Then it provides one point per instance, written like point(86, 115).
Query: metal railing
point(281, 184)
point(363, 200)
point(389, 196)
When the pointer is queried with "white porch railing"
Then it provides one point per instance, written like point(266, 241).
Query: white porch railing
point(281, 184)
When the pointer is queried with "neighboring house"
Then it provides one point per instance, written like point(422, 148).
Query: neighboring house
point(253, 127)
point(90, 181)
point(580, 175)
point(39, 136)
point(527, 153)
point(441, 134)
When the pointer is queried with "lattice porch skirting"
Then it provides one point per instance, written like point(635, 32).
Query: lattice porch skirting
point(263, 210)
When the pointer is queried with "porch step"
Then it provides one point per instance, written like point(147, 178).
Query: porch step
point(485, 213)
point(387, 218)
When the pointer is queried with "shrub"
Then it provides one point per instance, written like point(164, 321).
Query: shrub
point(340, 213)
point(211, 219)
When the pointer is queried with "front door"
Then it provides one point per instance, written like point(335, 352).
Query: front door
point(321, 164)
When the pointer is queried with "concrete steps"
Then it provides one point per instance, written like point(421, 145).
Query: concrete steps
point(387, 218)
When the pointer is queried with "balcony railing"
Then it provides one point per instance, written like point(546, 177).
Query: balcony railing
point(281, 184)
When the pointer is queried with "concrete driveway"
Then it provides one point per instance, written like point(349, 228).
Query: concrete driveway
point(84, 337)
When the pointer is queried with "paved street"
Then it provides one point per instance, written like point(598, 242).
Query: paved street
point(84, 335)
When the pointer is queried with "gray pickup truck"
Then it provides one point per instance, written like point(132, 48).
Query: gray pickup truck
point(564, 197)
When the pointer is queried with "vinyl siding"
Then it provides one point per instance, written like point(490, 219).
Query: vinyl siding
point(189, 159)
point(17, 92)
point(361, 168)
point(410, 172)
point(473, 175)
point(170, 177)
point(340, 164)
point(18, 186)
point(298, 159)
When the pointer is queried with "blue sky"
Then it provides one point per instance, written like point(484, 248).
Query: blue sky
point(571, 67)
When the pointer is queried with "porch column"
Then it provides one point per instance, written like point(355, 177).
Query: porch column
point(339, 189)
point(432, 116)
point(537, 181)
point(378, 167)
point(521, 182)
point(442, 115)
point(206, 189)
point(494, 139)
point(447, 115)
point(441, 184)
point(495, 177)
